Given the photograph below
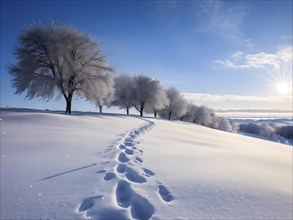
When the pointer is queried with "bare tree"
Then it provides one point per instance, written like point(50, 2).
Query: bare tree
point(123, 97)
point(56, 58)
point(177, 105)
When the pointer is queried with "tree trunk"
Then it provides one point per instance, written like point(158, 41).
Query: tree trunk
point(68, 106)
point(155, 114)
point(141, 108)
point(101, 108)
point(127, 110)
point(170, 113)
point(68, 103)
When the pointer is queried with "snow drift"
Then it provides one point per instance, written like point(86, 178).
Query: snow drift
point(118, 167)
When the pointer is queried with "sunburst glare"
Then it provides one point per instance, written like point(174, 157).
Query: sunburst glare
point(280, 82)
point(283, 88)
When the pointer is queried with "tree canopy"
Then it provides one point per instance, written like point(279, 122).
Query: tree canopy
point(59, 59)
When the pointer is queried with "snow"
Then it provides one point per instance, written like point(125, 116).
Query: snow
point(214, 174)
point(86, 165)
point(255, 114)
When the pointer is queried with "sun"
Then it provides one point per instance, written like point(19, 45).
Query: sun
point(280, 82)
point(282, 88)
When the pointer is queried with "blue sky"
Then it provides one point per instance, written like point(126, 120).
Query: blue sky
point(225, 54)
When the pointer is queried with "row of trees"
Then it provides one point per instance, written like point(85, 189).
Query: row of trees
point(141, 92)
point(58, 58)
point(268, 130)
point(146, 94)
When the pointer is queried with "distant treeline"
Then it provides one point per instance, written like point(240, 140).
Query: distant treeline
point(268, 130)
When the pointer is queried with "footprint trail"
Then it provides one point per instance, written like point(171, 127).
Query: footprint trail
point(126, 172)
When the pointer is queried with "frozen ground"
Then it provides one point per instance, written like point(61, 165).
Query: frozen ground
point(56, 166)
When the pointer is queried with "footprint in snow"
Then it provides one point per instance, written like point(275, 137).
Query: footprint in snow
point(133, 176)
point(124, 194)
point(165, 194)
point(109, 176)
point(128, 151)
point(121, 168)
point(132, 136)
point(101, 171)
point(130, 174)
point(89, 203)
point(129, 143)
point(123, 158)
point(148, 172)
point(122, 147)
point(141, 208)
point(138, 159)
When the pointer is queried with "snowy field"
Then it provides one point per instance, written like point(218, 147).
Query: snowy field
point(85, 165)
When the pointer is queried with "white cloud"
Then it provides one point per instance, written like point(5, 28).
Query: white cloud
point(223, 19)
point(285, 53)
point(240, 102)
point(237, 55)
point(239, 60)
point(236, 98)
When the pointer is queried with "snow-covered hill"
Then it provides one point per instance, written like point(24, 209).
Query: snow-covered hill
point(56, 166)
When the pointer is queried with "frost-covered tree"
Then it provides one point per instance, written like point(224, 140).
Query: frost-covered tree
point(224, 125)
point(204, 116)
point(159, 100)
point(177, 105)
point(267, 131)
point(251, 128)
point(123, 97)
point(102, 92)
point(264, 129)
point(104, 100)
point(286, 131)
point(146, 92)
point(215, 121)
point(56, 58)
point(235, 127)
point(190, 113)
